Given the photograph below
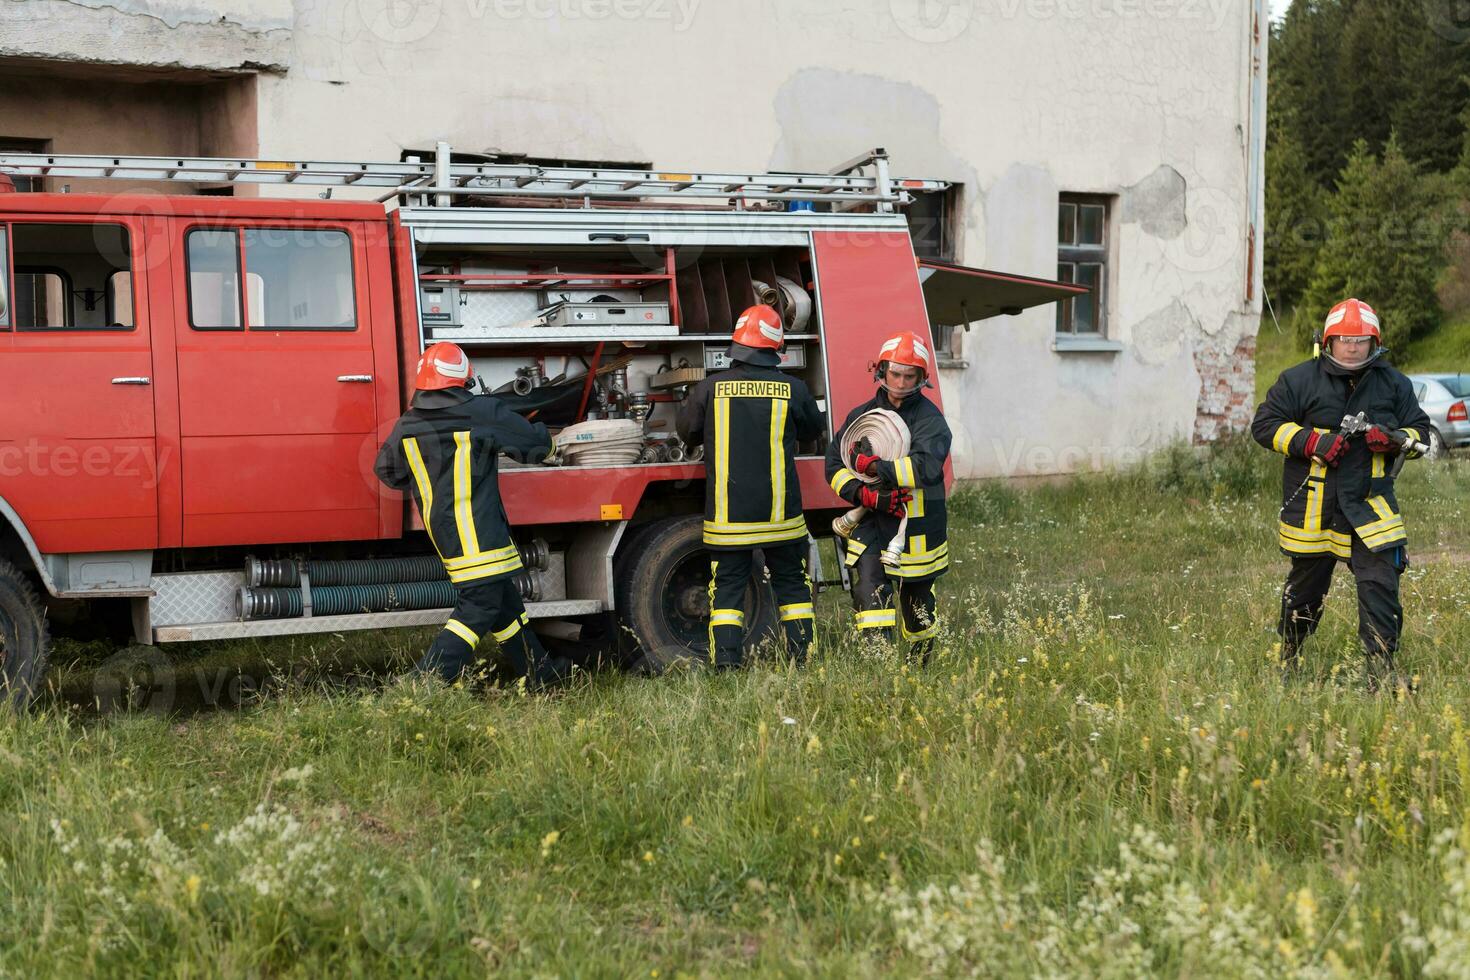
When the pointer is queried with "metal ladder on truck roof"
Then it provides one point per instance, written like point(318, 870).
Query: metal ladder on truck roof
point(441, 179)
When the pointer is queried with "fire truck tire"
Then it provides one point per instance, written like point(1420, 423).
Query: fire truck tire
point(662, 593)
point(25, 642)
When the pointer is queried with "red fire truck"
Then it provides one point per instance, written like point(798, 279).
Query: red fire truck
point(195, 386)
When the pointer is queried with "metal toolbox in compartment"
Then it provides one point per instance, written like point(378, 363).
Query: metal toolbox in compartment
point(611, 314)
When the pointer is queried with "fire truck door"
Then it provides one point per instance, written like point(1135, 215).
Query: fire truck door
point(77, 451)
point(276, 386)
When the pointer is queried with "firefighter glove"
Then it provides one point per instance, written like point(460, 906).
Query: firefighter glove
point(1382, 440)
point(1326, 447)
point(885, 501)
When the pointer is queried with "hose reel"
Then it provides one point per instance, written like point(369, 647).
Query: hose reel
point(888, 436)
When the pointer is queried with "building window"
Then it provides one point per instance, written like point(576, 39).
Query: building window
point(1082, 258)
point(8, 145)
point(932, 221)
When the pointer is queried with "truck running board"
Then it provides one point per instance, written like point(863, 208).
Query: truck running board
point(196, 632)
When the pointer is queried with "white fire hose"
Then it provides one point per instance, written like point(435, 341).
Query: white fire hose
point(888, 437)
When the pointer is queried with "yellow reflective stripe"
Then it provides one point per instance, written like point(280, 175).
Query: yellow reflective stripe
point(798, 610)
point(502, 635)
point(758, 532)
point(464, 512)
point(1380, 504)
point(779, 407)
point(1414, 434)
point(1379, 525)
point(868, 619)
point(722, 459)
point(842, 478)
point(1377, 467)
point(727, 617)
point(923, 634)
point(855, 550)
point(1303, 542)
point(916, 506)
point(1281, 441)
point(903, 472)
point(714, 567)
point(463, 632)
point(426, 486)
point(481, 557)
point(1312, 516)
point(483, 571)
point(1393, 532)
point(918, 544)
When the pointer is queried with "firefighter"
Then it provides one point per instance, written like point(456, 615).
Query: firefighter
point(444, 451)
point(1339, 502)
point(749, 419)
point(914, 485)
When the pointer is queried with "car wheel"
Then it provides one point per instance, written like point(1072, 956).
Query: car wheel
point(25, 642)
point(662, 591)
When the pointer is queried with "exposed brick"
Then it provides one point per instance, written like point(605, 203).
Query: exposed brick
point(1227, 389)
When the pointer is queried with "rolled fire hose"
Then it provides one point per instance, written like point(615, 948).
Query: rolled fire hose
point(601, 442)
point(888, 437)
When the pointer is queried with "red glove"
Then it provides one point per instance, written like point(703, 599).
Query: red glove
point(1380, 440)
point(1327, 447)
point(885, 501)
point(865, 463)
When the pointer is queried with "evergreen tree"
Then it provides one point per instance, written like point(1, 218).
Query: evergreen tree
point(1296, 218)
point(1385, 245)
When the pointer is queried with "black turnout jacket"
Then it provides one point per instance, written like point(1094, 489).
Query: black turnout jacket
point(926, 547)
point(445, 451)
point(749, 420)
point(1323, 506)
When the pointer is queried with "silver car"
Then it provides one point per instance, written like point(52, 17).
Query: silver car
point(1445, 398)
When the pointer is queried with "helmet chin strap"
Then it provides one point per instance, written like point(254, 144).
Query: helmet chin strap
point(1377, 352)
point(903, 394)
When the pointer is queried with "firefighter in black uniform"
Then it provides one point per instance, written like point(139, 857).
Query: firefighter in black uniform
point(914, 485)
point(445, 451)
point(749, 419)
point(1338, 488)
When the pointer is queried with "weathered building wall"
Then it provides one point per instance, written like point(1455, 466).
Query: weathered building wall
point(1148, 102)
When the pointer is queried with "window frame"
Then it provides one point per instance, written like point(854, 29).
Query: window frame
point(947, 337)
point(6, 289)
point(242, 273)
point(11, 270)
point(1074, 254)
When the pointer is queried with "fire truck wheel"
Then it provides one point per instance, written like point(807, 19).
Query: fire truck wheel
point(24, 640)
point(662, 592)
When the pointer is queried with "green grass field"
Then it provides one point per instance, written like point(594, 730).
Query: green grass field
point(1100, 776)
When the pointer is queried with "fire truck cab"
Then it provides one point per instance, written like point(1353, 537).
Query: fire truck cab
point(195, 387)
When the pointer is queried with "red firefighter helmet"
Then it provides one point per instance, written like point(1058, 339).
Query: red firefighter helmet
point(906, 348)
point(758, 337)
point(1352, 318)
point(444, 365)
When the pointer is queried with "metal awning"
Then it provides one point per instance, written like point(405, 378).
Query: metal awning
point(958, 294)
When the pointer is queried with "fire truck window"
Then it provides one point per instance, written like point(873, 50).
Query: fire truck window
point(4, 283)
point(305, 279)
point(66, 277)
point(214, 279)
